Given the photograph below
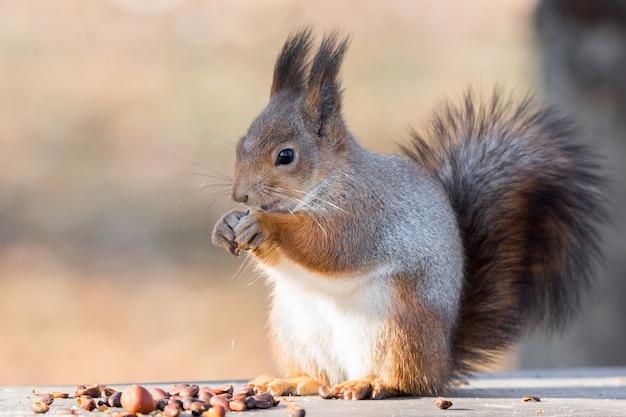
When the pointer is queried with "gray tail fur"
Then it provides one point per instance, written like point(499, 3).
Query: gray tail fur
point(529, 199)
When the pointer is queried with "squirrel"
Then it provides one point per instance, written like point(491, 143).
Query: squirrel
point(396, 274)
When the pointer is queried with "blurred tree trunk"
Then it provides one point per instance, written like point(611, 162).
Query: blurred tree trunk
point(583, 47)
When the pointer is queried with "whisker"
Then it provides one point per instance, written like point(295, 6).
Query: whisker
point(320, 225)
point(216, 197)
point(308, 214)
point(255, 278)
point(211, 170)
point(203, 187)
point(294, 216)
point(306, 194)
point(243, 268)
point(208, 175)
point(223, 138)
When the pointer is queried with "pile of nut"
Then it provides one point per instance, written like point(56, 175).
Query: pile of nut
point(180, 398)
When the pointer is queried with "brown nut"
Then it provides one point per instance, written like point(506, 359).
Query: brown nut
point(263, 400)
point(159, 394)
point(295, 411)
point(226, 389)
point(171, 410)
point(198, 407)
point(115, 399)
point(177, 401)
point(39, 407)
point(177, 388)
point(45, 397)
point(443, 404)
point(246, 391)
point(160, 403)
point(137, 399)
point(92, 391)
point(204, 395)
point(86, 402)
point(237, 405)
point(107, 391)
point(187, 401)
point(216, 411)
point(189, 391)
point(529, 398)
point(219, 400)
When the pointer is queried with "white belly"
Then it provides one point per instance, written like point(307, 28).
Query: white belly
point(330, 324)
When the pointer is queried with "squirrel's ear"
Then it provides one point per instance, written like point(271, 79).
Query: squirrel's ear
point(323, 96)
point(291, 65)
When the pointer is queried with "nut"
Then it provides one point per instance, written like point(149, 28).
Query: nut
point(295, 411)
point(92, 391)
point(237, 405)
point(220, 400)
point(159, 394)
point(171, 410)
point(177, 401)
point(86, 402)
point(161, 403)
point(177, 388)
point(216, 411)
point(189, 391)
point(198, 407)
point(226, 389)
point(443, 404)
point(529, 398)
point(115, 399)
point(263, 400)
point(39, 407)
point(45, 397)
point(204, 395)
point(137, 399)
point(246, 391)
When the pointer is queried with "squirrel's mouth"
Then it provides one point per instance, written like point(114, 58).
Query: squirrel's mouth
point(273, 207)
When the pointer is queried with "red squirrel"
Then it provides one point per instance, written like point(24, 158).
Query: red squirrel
point(393, 275)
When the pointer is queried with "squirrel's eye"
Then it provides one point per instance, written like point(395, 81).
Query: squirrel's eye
point(285, 157)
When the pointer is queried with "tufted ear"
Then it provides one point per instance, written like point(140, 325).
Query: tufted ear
point(323, 95)
point(292, 63)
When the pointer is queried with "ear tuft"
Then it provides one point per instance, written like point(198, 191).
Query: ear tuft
point(323, 99)
point(292, 63)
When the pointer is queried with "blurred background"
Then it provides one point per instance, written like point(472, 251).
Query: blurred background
point(114, 113)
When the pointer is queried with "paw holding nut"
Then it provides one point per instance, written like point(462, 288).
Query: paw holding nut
point(237, 231)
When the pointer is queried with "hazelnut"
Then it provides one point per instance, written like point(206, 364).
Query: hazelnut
point(137, 399)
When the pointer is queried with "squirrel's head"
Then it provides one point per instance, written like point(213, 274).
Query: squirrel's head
point(300, 137)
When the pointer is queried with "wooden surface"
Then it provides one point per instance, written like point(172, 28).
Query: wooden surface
point(569, 392)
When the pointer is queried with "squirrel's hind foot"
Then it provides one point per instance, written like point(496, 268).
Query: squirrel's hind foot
point(369, 388)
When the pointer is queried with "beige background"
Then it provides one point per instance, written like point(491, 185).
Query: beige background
point(106, 267)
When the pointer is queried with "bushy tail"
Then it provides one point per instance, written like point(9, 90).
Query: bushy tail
point(529, 201)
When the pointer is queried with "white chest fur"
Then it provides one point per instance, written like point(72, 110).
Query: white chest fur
point(329, 324)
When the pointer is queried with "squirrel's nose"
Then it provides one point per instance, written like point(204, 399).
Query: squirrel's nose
point(239, 196)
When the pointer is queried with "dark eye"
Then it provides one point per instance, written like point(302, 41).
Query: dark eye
point(285, 157)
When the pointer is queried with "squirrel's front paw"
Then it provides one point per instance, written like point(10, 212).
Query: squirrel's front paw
point(248, 235)
point(224, 231)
